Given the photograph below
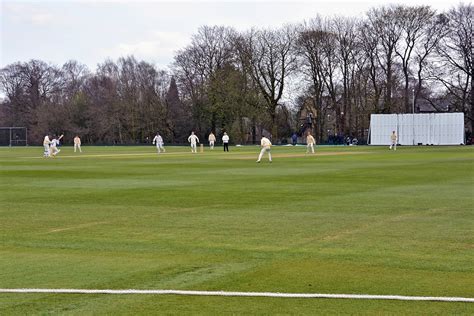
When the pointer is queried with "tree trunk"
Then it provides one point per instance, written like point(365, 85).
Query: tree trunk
point(406, 96)
point(388, 92)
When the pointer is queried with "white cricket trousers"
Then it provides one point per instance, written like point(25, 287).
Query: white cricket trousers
point(53, 150)
point(193, 148)
point(310, 147)
point(394, 145)
point(211, 144)
point(77, 146)
point(47, 152)
point(265, 149)
point(160, 148)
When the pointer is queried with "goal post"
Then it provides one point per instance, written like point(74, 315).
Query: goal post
point(13, 136)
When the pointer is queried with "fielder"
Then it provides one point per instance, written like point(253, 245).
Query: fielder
point(77, 143)
point(193, 139)
point(310, 142)
point(212, 140)
point(393, 141)
point(158, 140)
point(46, 143)
point(266, 145)
point(53, 147)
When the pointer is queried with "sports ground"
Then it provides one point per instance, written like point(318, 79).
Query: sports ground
point(352, 220)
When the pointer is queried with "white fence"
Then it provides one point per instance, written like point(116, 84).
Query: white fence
point(414, 129)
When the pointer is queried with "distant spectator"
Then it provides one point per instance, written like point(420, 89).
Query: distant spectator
point(294, 139)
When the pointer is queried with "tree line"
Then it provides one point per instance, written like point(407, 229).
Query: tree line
point(339, 70)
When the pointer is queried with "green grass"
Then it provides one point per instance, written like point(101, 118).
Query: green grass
point(361, 220)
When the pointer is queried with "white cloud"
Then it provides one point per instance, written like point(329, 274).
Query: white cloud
point(41, 18)
point(143, 48)
point(28, 14)
point(156, 47)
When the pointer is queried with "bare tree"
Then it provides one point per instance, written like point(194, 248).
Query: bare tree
point(197, 65)
point(369, 44)
point(310, 43)
point(413, 25)
point(425, 51)
point(14, 87)
point(345, 30)
point(385, 22)
point(326, 55)
point(456, 50)
point(271, 61)
point(102, 90)
point(29, 87)
point(73, 75)
point(253, 101)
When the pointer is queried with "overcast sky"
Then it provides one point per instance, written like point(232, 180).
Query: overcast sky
point(92, 31)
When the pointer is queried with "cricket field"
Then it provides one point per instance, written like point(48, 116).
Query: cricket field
point(351, 220)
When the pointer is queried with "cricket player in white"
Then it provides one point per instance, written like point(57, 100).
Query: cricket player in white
point(158, 140)
point(310, 142)
point(193, 139)
point(77, 144)
point(266, 145)
point(212, 140)
point(53, 147)
point(393, 141)
point(46, 143)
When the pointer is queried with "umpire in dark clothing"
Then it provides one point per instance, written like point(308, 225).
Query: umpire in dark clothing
point(225, 140)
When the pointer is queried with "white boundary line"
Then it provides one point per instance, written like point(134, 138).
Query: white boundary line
point(245, 294)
